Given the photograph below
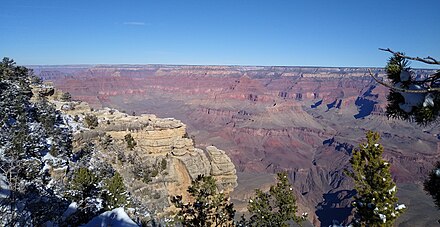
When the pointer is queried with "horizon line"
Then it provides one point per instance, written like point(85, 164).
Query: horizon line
point(201, 65)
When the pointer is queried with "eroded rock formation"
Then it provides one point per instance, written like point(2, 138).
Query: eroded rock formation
point(267, 119)
point(164, 160)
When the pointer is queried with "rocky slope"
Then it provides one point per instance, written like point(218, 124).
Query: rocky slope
point(302, 119)
point(63, 163)
point(163, 162)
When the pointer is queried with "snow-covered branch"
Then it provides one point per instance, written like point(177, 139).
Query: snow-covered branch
point(427, 90)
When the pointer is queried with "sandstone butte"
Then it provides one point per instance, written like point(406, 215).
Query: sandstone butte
point(305, 120)
point(157, 139)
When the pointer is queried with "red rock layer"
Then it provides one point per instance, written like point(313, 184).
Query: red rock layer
point(304, 120)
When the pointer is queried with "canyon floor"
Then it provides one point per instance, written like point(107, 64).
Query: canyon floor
point(305, 120)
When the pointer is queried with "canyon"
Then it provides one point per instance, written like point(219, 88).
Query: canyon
point(305, 120)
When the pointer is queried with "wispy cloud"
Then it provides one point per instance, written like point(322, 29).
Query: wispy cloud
point(136, 23)
point(38, 7)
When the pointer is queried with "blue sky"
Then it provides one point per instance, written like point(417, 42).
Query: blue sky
point(237, 32)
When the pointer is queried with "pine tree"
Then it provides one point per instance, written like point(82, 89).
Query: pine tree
point(115, 194)
point(432, 185)
point(376, 202)
point(411, 97)
point(84, 183)
point(209, 207)
point(274, 208)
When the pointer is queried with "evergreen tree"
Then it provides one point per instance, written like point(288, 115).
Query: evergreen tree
point(115, 194)
point(411, 97)
point(432, 185)
point(25, 138)
point(131, 143)
point(85, 190)
point(209, 207)
point(274, 208)
point(163, 164)
point(84, 183)
point(376, 202)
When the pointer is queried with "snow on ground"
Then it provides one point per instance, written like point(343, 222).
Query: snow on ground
point(70, 210)
point(48, 156)
point(4, 188)
point(115, 218)
point(72, 124)
point(49, 140)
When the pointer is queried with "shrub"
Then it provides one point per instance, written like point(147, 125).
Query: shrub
point(131, 143)
point(66, 97)
point(91, 121)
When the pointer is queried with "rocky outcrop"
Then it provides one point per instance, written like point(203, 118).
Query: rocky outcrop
point(164, 160)
point(222, 168)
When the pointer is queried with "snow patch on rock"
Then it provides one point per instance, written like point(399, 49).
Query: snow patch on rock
point(115, 218)
point(4, 187)
point(70, 210)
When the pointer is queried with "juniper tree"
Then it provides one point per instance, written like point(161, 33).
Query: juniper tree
point(208, 206)
point(375, 202)
point(274, 208)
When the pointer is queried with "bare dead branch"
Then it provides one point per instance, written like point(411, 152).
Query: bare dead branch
point(402, 89)
point(430, 79)
point(427, 60)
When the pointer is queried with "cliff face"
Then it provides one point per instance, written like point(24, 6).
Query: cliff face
point(301, 119)
point(164, 160)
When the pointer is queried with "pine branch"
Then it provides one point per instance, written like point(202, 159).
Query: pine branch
point(402, 89)
point(428, 60)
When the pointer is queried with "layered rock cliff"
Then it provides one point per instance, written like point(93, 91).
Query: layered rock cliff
point(163, 162)
point(304, 120)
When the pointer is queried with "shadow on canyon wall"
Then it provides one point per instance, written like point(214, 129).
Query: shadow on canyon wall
point(335, 207)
